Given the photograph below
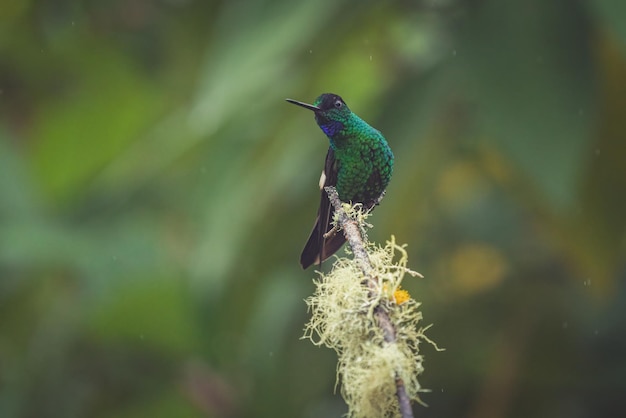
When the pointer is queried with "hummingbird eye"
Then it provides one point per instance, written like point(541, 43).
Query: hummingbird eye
point(338, 104)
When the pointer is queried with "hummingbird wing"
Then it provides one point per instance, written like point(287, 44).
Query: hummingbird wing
point(318, 248)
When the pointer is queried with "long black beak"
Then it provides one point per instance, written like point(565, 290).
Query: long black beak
point(305, 105)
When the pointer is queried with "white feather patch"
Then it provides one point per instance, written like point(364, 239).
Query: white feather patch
point(322, 180)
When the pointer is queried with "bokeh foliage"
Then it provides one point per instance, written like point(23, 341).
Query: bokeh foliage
point(155, 191)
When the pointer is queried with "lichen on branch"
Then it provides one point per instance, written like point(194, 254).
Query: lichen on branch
point(360, 311)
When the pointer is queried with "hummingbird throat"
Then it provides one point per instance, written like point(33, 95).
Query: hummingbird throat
point(331, 128)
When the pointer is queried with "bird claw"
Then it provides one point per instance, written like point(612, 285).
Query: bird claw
point(380, 198)
point(331, 233)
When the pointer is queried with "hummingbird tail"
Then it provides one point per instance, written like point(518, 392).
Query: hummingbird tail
point(318, 248)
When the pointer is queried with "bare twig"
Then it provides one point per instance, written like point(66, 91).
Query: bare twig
point(353, 235)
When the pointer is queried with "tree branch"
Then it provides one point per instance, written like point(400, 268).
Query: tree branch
point(353, 235)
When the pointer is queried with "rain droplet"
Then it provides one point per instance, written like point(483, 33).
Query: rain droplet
point(454, 52)
point(565, 325)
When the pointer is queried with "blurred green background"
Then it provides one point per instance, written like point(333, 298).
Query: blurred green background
point(156, 190)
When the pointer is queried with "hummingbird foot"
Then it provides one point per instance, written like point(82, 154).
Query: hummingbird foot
point(380, 198)
point(331, 233)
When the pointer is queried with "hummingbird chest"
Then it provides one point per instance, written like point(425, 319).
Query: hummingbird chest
point(364, 170)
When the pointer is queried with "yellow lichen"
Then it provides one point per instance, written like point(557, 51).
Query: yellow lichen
point(401, 296)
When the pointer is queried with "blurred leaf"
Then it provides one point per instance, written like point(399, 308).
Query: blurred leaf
point(270, 321)
point(107, 104)
point(19, 199)
point(527, 66)
point(613, 12)
point(594, 236)
point(10, 13)
point(157, 315)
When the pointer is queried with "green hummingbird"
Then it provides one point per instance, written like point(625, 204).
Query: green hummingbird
point(359, 163)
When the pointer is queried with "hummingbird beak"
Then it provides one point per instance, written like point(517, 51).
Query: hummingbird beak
point(305, 105)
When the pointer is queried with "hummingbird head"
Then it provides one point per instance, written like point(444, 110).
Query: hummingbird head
point(331, 113)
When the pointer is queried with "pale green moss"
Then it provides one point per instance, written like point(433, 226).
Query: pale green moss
point(343, 319)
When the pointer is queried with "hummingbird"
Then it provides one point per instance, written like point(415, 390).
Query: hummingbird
point(359, 164)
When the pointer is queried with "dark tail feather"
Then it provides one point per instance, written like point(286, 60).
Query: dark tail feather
point(311, 252)
point(332, 245)
point(318, 249)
